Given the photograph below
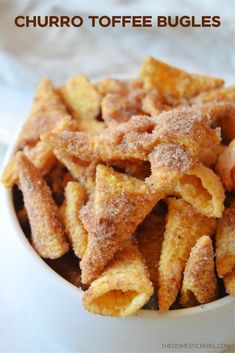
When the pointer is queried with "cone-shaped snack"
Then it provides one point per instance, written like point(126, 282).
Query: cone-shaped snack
point(10, 174)
point(199, 282)
point(82, 171)
point(225, 167)
point(83, 101)
point(169, 80)
point(219, 94)
point(41, 155)
point(150, 236)
point(223, 115)
point(168, 163)
point(48, 235)
point(154, 103)
point(202, 188)
point(75, 198)
point(119, 107)
point(229, 282)
point(188, 127)
point(209, 156)
point(184, 226)
point(120, 204)
point(47, 110)
point(135, 139)
point(123, 288)
point(113, 85)
point(128, 141)
point(225, 240)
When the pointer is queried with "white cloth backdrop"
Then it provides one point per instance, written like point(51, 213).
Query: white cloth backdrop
point(28, 54)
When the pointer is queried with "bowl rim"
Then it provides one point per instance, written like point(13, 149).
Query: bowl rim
point(9, 205)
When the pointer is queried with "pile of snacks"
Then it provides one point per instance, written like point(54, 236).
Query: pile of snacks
point(128, 187)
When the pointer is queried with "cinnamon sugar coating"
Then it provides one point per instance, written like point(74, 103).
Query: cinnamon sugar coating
point(120, 204)
point(225, 242)
point(48, 234)
point(47, 110)
point(199, 282)
point(94, 161)
point(184, 226)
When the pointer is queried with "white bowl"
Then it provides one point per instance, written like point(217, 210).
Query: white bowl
point(57, 306)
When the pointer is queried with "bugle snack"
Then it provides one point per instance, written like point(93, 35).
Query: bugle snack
point(121, 184)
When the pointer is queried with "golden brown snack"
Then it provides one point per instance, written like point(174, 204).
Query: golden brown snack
point(202, 188)
point(169, 80)
point(199, 283)
point(229, 282)
point(75, 198)
point(136, 138)
point(101, 171)
point(113, 85)
point(222, 114)
point(184, 226)
point(129, 141)
point(40, 154)
point(120, 107)
point(83, 101)
point(225, 167)
point(120, 204)
point(42, 157)
point(10, 173)
point(153, 103)
point(123, 288)
point(219, 94)
point(225, 240)
point(209, 156)
point(47, 110)
point(168, 162)
point(80, 170)
point(187, 126)
point(48, 236)
point(150, 236)
point(110, 85)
